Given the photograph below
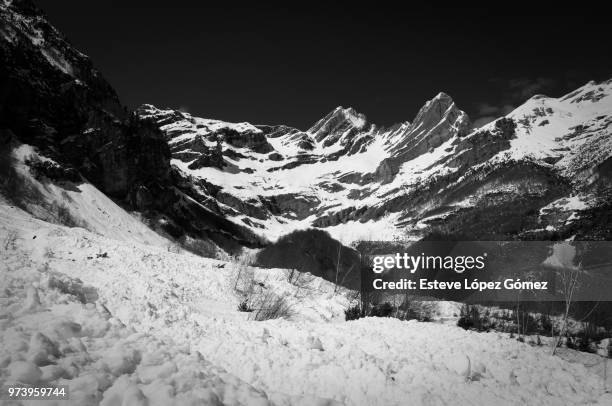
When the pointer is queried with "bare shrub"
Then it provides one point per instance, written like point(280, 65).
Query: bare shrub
point(271, 306)
point(244, 306)
point(353, 313)
point(384, 309)
point(257, 299)
point(471, 317)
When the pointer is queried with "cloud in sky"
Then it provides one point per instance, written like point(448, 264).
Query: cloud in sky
point(484, 120)
point(515, 91)
point(521, 89)
point(488, 112)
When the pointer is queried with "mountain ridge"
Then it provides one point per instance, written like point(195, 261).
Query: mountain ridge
point(440, 131)
point(242, 184)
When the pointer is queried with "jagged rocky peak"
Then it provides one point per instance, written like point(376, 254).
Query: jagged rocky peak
point(337, 123)
point(442, 107)
point(275, 131)
point(185, 133)
point(161, 117)
point(436, 122)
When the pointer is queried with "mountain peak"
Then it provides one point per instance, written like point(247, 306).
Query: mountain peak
point(442, 96)
point(436, 122)
point(348, 113)
point(434, 110)
point(441, 100)
point(337, 122)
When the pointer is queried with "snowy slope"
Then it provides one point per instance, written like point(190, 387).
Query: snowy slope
point(147, 325)
point(49, 336)
point(86, 205)
point(571, 131)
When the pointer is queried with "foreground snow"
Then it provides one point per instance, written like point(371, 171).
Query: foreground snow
point(146, 326)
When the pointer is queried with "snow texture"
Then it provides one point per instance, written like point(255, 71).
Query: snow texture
point(123, 322)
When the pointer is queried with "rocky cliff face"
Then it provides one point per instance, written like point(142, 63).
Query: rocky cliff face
point(52, 97)
point(438, 121)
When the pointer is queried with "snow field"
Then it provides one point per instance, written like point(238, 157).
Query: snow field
point(164, 329)
point(49, 337)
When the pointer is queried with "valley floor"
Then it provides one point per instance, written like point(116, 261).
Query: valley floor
point(124, 323)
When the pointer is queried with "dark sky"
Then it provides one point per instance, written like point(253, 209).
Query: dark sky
point(271, 64)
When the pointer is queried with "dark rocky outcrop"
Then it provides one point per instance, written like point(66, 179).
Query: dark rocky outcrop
point(306, 143)
point(232, 154)
point(482, 145)
point(208, 157)
point(52, 171)
point(302, 159)
point(250, 208)
point(53, 98)
point(275, 156)
point(291, 204)
point(255, 141)
point(340, 217)
point(275, 131)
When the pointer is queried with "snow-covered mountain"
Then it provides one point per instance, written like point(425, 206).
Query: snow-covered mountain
point(546, 162)
point(541, 172)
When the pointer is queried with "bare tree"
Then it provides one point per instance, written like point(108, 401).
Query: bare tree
point(346, 274)
point(569, 282)
point(338, 262)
